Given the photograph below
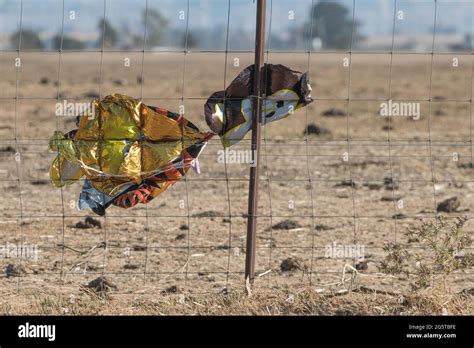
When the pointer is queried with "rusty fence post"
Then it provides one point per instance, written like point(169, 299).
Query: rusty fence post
point(256, 139)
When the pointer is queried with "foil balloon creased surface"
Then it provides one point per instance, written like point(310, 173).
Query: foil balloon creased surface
point(127, 152)
point(229, 113)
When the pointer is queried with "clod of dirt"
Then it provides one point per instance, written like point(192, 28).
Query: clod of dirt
point(399, 216)
point(184, 227)
point(13, 270)
point(101, 285)
point(273, 243)
point(173, 289)
point(93, 222)
point(39, 182)
point(181, 236)
point(346, 183)
point(468, 165)
point(389, 183)
point(89, 222)
point(226, 220)
point(362, 265)
point(373, 186)
point(139, 248)
point(313, 128)
point(464, 260)
point(291, 264)
point(91, 94)
point(8, 149)
point(333, 112)
point(322, 227)
point(286, 225)
point(387, 127)
point(390, 198)
point(63, 95)
point(44, 81)
point(91, 268)
point(119, 81)
point(449, 205)
point(210, 213)
point(130, 266)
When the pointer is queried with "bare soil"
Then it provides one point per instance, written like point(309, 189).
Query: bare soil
point(306, 186)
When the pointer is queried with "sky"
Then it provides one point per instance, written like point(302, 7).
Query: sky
point(375, 16)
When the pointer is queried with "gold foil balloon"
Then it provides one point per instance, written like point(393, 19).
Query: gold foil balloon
point(127, 151)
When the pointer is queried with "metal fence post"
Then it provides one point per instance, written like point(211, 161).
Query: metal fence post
point(256, 135)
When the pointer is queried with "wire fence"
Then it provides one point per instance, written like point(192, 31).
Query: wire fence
point(327, 200)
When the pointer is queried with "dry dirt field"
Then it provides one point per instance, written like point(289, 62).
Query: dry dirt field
point(190, 241)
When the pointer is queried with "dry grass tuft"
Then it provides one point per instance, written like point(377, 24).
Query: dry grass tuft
point(276, 301)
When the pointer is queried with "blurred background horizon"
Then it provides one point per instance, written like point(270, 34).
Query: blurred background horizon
point(319, 25)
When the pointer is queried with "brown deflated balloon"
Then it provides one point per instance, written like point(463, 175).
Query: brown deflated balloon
point(229, 113)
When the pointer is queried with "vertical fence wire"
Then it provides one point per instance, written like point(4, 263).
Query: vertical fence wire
point(17, 147)
point(58, 128)
point(229, 209)
point(471, 91)
point(182, 144)
point(101, 77)
point(349, 155)
point(433, 179)
point(267, 172)
point(142, 79)
point(308, 170)
point(392, 179)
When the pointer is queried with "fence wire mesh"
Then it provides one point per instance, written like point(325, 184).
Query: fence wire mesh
point(337, 181)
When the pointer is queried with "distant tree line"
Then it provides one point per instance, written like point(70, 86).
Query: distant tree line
point(331, 22)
